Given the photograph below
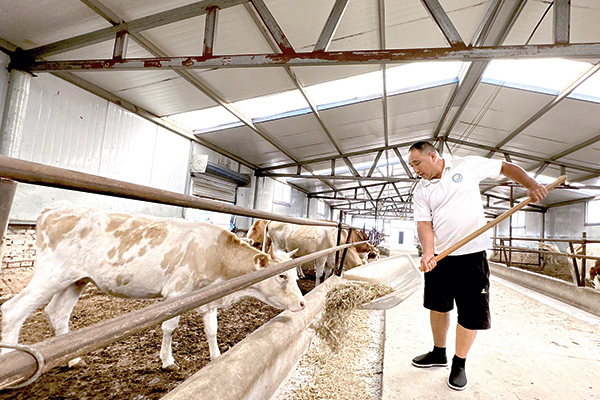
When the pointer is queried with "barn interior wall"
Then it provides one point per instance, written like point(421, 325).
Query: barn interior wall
point(4, 60)
point(534, 222)
point(568, 222)
point(68, 127)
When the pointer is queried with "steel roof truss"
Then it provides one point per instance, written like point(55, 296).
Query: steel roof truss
point(440, 17)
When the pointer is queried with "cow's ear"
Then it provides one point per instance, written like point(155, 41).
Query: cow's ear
point(261, 260)
point(291, 253)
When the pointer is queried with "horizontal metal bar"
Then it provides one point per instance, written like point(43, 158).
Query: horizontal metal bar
point(46, 175)
point(580, 50)
point(340, 177)
point(16, 366)
point(526, 250)
point(546, 240)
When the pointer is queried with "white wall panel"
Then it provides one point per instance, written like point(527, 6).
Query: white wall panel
point(170, 163)
point(63, 125)
point(128, 147)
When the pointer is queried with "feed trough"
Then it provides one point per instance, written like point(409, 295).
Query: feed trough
point(400, 272)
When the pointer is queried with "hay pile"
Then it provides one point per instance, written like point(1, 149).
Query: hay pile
point(341, 300)
point(352, 372)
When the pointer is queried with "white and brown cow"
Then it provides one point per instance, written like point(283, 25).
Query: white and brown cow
point(306, 240)
point(139, 257)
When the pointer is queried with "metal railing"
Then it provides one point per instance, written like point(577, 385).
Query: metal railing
point(18, 366)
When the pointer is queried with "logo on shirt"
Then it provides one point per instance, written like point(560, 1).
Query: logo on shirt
point(457, 177)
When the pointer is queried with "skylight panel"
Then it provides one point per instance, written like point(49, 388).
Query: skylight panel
point(547, 76)
point(272, 105)
point(588, 90)
point(347, 89)
point(205, 119)
point(421, 75)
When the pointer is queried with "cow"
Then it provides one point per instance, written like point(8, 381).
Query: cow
point(132, 256)
point(256, 233)
point(366, 251)
point(592, 267)
point(308, 239)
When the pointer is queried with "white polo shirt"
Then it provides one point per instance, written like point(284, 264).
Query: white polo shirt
point(453, 203)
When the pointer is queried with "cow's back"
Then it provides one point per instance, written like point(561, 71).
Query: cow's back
point(132, 255)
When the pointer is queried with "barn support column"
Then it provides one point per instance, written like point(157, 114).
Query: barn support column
point(11, 131)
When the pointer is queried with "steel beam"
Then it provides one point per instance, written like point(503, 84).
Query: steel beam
point(339, 177)
point(570, 150)
point(210, 30)
point(377, 157)
point(527, 156)
point(335, 16)
point(138, 25)
point(553, 103)
point(437, 12)
point(495, 26)
point(562, 21)
point(120, 49)
point(274, 29)
point(578, 50)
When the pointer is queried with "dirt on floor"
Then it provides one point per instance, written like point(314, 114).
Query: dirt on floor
point(131, 368)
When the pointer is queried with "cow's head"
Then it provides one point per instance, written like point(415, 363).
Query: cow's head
point(280, 291)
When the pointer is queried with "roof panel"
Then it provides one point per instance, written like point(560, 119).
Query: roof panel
point(32, 23)
point(408, 25)
point(466, 15)
point(358, 29)
point(248, 145)
point(245, 83)
point(301, 21)
point(302, 134)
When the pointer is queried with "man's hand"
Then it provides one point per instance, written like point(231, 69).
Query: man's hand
point(427, 262)
point(537, 193)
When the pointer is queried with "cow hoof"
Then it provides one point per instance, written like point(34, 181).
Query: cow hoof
point(77, 363)
point(171, 368)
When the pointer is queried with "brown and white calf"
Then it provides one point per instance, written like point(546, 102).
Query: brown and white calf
point(306, 240)
point(134, 256)
point(592, 267)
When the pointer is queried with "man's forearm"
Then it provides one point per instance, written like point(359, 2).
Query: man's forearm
point(425, 232)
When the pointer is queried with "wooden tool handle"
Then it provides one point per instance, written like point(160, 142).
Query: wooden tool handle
point(495, 221)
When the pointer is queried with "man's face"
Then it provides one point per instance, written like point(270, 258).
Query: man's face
point(423, 164)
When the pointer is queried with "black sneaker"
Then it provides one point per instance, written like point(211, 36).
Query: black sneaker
point(430, 360)
point(458, 378)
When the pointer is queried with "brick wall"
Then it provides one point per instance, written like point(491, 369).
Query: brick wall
point(19, 246)
point(18, 258)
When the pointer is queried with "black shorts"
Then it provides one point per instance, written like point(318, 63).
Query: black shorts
point(466, 280)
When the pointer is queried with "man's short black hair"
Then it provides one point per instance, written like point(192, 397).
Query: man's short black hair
point(424, 147)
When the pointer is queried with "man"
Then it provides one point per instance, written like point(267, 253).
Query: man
point(447, 208)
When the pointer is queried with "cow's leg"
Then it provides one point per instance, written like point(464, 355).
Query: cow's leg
point(210, 329)
point(59, 310)
point(319, 269)
point(300, 272)
point(166, 352)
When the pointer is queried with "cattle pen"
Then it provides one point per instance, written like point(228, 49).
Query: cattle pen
point(19, 368)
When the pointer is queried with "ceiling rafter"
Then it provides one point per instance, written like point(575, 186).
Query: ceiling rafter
point(354, 57)
point(553, 103)
point(530, 157)
point(135, 26)
point(440, 17)
point(492, 32)
point(570, 150)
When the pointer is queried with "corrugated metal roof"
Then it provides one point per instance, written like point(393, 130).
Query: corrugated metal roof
point(482, 115)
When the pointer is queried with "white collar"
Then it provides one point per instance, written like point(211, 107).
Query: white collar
point(447, 167)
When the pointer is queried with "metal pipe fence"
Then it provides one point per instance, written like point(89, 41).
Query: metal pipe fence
point(17, 366)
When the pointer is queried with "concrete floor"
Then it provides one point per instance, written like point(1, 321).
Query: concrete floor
point(538, 348)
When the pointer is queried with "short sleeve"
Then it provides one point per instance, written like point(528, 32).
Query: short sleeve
point(422, 212)
point(485, 167)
